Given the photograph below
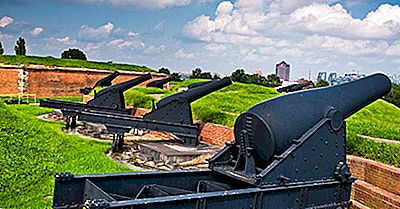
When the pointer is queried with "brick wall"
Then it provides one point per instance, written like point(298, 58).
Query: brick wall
point(55, 82)
point(8, 81)
point(377, 185)
point(216, 134)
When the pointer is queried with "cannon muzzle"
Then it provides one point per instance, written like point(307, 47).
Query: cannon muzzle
point(128, 84)
point(198, 92)
point(113, 96)
point(159, 83)
point(106, 81)
point(275, 123)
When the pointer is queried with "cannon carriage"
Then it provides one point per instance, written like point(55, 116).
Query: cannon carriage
point(288, 152)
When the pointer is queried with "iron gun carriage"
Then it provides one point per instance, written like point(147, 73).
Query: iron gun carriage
point(288, 152)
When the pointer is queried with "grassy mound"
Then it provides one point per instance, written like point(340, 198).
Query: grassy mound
point(34, 150)
point(51, 61)
point(379, 119)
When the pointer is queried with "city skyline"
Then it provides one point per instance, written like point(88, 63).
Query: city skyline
point(217, 36)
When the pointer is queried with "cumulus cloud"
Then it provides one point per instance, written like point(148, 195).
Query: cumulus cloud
point(308, 32)
point(6, 20)
point(36, 31)
point(90, 34)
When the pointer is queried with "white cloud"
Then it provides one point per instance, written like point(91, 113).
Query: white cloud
point(336, 20)
point(66, 40)
point(36, 31)
point(181, 54)
point(88, 33)
point(307, 33)
point(215, 47)
point(6, 20)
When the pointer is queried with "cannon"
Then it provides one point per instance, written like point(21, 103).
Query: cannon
point(294, 87)
point(172, 114)
point(110, 99)
point(194, 85)
point(159, 83)
point(106, 81)
point(288, 152)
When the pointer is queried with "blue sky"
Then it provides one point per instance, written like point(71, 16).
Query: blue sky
point(218, 36)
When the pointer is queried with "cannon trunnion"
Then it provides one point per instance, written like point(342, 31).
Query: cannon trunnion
point(275, 161)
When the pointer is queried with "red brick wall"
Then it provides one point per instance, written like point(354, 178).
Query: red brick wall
point(377, 185)
point(56, 82)
point(216, 134)
point(8, 81)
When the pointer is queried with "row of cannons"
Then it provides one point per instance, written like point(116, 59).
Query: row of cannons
point(288, 152)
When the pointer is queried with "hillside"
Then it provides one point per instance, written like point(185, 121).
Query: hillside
point(51, 61)
point(34, 150)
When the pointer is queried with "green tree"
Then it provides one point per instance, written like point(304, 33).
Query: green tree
point(164, 70)
point(394, 95)
point(205, 75)
point(20, 48)
point(272, 80)
point(73, 54)
point(1, 49)
point(175, 77)
point(239, 76)
point(321, 83)
point(196, 73)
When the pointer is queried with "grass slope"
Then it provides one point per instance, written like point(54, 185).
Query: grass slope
point(34, 150)
point(51, 61)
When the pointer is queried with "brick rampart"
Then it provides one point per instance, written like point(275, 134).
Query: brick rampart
point(8, 81)
point(56, 81)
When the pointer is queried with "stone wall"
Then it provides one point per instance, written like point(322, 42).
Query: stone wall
point(59, 82)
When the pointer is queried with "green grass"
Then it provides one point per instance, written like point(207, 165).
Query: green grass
point(34, 150)
point(223, 106)
point(379, 119)
point(51, 61)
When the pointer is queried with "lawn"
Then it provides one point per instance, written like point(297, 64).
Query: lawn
point(34, 150)
point(51, 61)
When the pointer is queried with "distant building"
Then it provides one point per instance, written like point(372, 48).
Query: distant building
point(282, 70)
point(257, 72)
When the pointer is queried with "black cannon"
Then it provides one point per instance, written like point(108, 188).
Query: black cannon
point(110, 99)
point(106, 81)
point(294, 87)
point(288, 152)
point(159, 83)
point(194, 85)
point(172, 114)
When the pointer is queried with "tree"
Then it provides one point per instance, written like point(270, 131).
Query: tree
point(73, 54)
point(272, 81)
point(20, 48)
point(205, 75)
point(239, 76)
point(164, 70)
point(321, 83)
point(1, 49)
point(175, 77)
point(216, 77)
point(196, 73)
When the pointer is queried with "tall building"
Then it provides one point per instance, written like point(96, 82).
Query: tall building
point(282, 70)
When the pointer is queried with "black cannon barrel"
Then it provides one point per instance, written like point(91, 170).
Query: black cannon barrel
point(194, 85)
point(276, 122)
point(121, 87)
point(159, 83)
point(196, 93)
point(106, 81)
